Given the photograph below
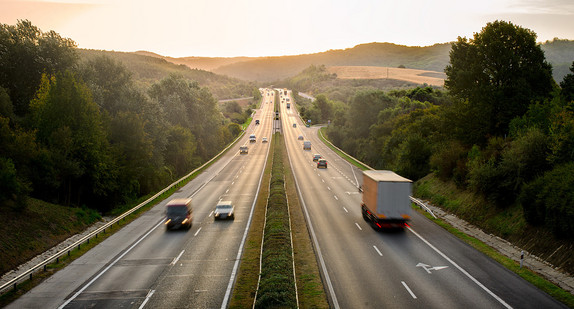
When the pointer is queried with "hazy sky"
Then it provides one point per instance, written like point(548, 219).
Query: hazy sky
point(227, 28)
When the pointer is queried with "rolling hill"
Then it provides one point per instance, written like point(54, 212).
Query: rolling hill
point(559, 53)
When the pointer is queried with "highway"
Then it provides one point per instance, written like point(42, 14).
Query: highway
point(145, 266)
point(421, 267)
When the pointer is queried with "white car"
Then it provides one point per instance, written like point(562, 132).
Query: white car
point(264, 140)
point(224, 210)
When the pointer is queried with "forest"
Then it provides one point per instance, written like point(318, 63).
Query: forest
point(82, 131)
point(503, 128)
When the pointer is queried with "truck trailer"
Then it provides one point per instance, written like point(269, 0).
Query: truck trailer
point(386, 199)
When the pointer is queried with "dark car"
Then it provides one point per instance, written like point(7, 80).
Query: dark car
point(322, 163)
point(257, 121)
point(224, 210)
point(178, 214)
point(316, 157)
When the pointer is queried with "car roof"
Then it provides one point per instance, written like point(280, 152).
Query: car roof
point(179, 202)
point(224, 203)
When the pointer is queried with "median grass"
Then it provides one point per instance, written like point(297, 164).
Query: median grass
point(307, 276)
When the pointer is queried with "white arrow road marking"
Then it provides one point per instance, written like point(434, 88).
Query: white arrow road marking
point(428, 268)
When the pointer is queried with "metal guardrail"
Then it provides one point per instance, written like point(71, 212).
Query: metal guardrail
point(414, 200)
point(78, 243)
point(422, 205)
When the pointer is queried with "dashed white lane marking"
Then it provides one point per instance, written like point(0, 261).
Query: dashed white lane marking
point(199, 229)
point(148, 296)
point(346, 210)
point(357, 224)
point(379, 252)
point(408, 289)
point(177, 258)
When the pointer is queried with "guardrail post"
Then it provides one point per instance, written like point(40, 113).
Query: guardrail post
point(30, 276)
point(44, 267)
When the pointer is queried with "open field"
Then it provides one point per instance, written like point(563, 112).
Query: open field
point(372, 72)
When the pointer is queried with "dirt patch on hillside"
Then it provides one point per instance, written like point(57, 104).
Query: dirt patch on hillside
point(371, 72)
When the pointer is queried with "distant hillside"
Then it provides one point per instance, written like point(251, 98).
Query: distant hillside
point(559, 53)
point(201, 63)
point(148, 68)
point(432, 58)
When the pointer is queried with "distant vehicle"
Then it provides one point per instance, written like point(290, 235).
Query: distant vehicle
point(386, 202)
point(243, 150)
point(316, 157)
point(252, 138)
point(294, 125)
point(300, 137)
point(285, 91)
point(178, 214)
point(307, 125)
point(288, 105)
point(307, 145)
point(321, 163)
point(257, 121)
point(264, 140)
point(224, 210)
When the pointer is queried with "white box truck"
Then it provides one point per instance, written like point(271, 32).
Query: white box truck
point(386, 199)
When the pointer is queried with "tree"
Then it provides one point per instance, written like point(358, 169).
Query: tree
point(26, 54)
point(499, 73)
point(69, 125)
point(567, 86)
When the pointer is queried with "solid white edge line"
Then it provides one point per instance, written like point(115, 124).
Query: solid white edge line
point(461, 269)
point(408, 289)
point(149, 294)
point(177, 258)
point(109, 266)
point(379, 252)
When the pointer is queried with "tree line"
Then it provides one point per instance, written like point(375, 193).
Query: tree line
point(84, 134)
point(503, 127)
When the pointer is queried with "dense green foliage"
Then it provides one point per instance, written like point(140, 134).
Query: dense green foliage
point(277, 283)
point(503, 130)
point(86, 133)
point(147, 70)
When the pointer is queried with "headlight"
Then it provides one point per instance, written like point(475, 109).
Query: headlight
point(217, 214)
point(168, 221)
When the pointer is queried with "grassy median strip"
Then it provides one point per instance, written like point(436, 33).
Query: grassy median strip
point(275, 288)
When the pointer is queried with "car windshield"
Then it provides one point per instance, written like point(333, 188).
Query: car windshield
point(176, 210)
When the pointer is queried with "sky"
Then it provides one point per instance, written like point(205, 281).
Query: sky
point(255, 28)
